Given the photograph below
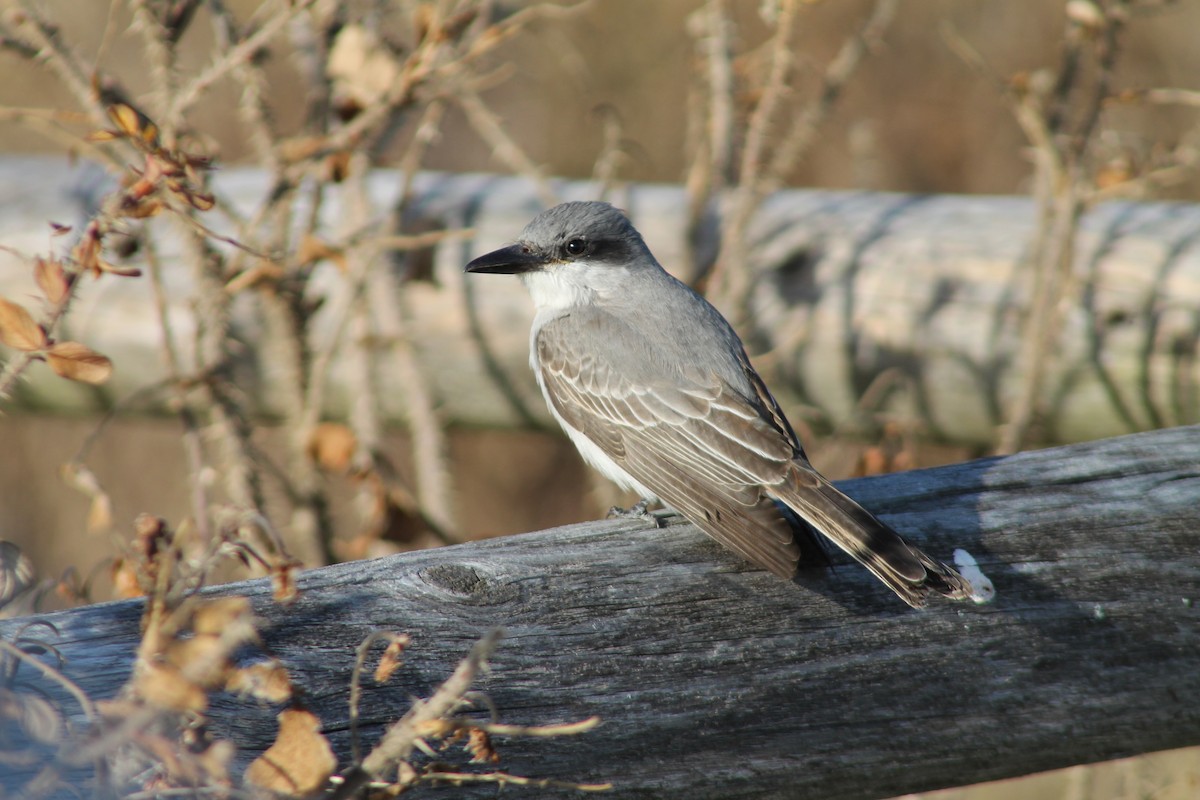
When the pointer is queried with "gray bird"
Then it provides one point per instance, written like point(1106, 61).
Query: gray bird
point(655, 389)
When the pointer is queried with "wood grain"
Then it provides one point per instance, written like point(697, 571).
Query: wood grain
point(716, 681)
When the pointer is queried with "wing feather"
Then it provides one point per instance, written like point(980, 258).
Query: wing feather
point(702, 448)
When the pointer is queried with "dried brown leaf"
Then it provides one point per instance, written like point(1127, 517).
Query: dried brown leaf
point(435, 728)
point(283, 583)
point(125, 118)
point(479, 745)
point(140, 209)
point(51, 279)
point(267, 681)
point(149, 134)
point(70, 588)
point(100, 514)
point(299, 762)
point(201, 659)
point(332, 446)
point(221, 614)
point(127, 582)
point(78, 362)
point(166, 687)
point(150, 536)
point(87, 252)
point(17, 328)
point(201, 201)
point(874, 461)
point(102, 136)
point(392, 660)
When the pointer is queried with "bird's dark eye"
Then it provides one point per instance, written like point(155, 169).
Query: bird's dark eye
point(576, 247)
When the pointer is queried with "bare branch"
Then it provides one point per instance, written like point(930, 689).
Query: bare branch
point(44, 39)
point(505, 148)
point(401, 738)
point(231, 59)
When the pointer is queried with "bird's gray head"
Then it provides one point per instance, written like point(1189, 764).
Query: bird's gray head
point(590, 233)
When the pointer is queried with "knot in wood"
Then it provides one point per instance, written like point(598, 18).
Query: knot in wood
point(469, 582)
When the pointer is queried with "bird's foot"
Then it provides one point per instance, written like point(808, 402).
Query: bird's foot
point(639, 510)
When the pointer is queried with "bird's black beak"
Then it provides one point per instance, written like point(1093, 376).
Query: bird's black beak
point(511, 260)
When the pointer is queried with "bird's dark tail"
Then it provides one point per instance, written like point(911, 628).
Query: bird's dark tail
point(905, 570)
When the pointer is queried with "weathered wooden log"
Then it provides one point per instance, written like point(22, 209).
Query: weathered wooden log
point(929, 291)
point(717, 681)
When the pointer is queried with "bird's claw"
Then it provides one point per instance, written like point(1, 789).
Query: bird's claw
point(638, 510)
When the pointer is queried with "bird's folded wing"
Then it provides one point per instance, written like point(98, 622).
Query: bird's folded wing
point(703, 448)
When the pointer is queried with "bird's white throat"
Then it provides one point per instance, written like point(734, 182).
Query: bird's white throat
point(559, 286)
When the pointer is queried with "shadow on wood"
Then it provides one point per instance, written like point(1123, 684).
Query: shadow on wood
point(715, 681)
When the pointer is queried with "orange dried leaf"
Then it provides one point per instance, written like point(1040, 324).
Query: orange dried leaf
point(267, 681)
point(204, 660)
point(150, 536)
point(392, 658)
point(479, 745)
point(51, 279)
point(435, 728)
point(874, 461)
point(217, 616)
point(166, 687)
point(124, 272)
point(100, 514)
point(17, 328)
point(69, 587)
point(126, 583)
point(201, 201)
point(283, 584)
point(102, 136)
point(125, 118)
point(299, 762)
point(87, 252)
point(142, 209)
point(332, 446)
point(78, 362)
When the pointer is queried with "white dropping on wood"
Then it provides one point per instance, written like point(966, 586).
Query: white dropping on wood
point(982, 589)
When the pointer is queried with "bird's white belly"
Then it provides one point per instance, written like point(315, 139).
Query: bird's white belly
point(596, 457)
point(592, 454)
